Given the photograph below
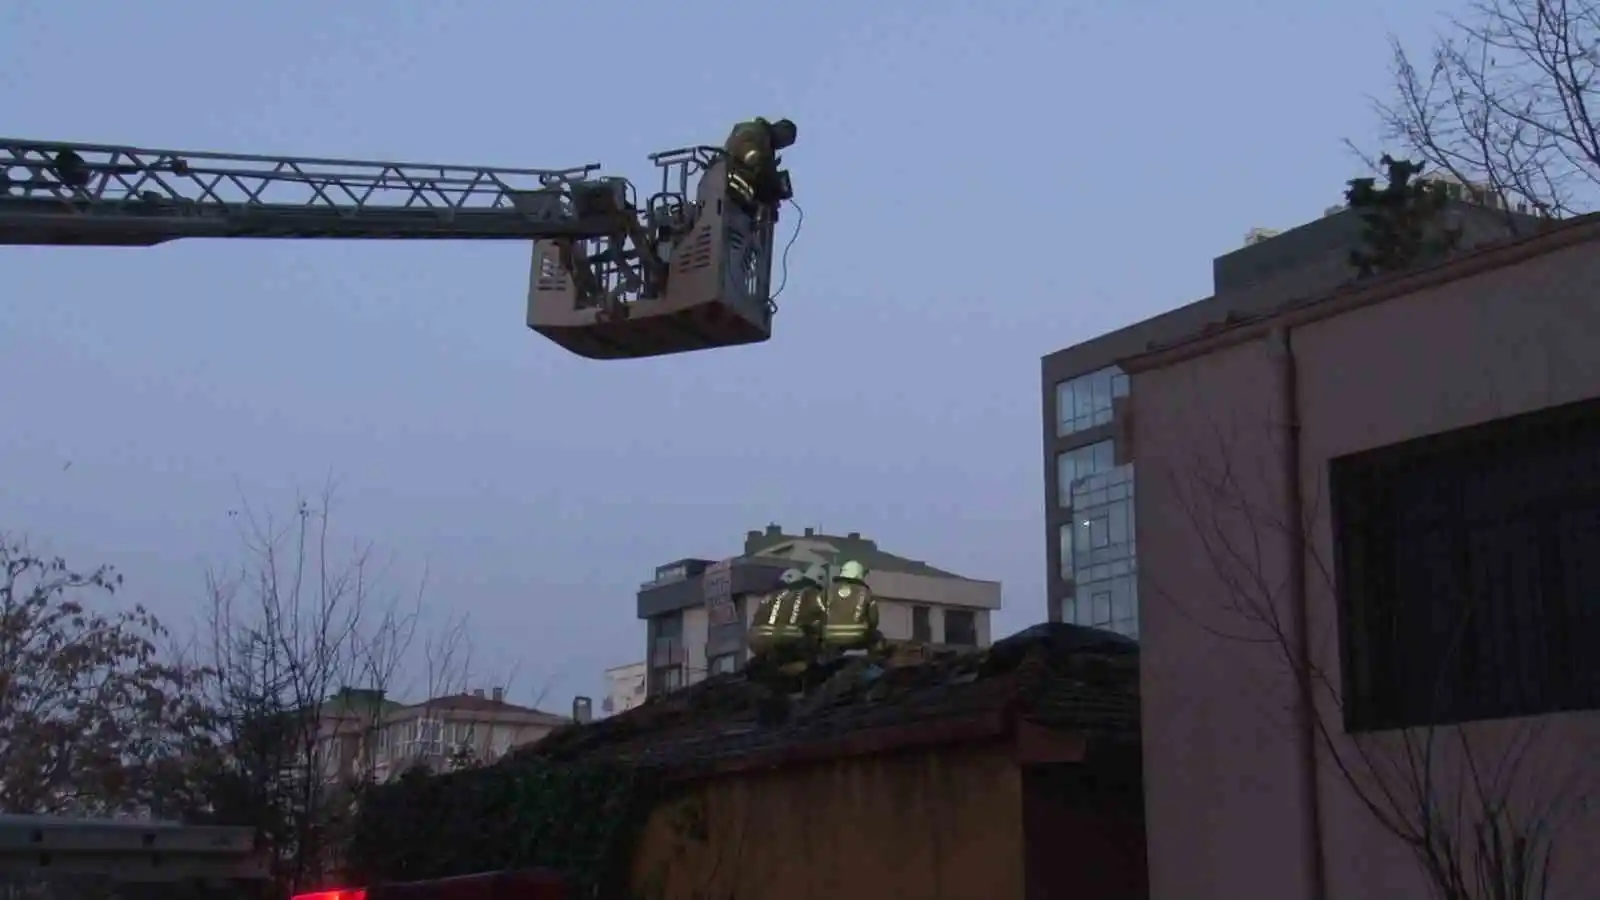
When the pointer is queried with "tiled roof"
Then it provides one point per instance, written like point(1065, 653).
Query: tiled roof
point(473, 703)
point(1061, 676)
point(860, 549)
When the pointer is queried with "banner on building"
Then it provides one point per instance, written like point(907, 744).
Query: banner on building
point(717, 581)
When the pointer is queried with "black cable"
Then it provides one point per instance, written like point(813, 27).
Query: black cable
point(783, 278)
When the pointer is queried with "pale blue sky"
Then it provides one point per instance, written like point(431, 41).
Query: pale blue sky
point(983, 183)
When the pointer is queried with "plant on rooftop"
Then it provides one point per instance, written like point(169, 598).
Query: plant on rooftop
point(1402, 223)
point(1507, 99)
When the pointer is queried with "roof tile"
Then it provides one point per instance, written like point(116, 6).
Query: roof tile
point(1060, 676)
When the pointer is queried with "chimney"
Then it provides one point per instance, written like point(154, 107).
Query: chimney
point(773, 529)
point(499, 694)
point(478, 692)
point(854, 535)
point(811, 532)
point(751, 535)
point(582, 710)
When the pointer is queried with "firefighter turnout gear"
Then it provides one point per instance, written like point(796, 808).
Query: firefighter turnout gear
point(777, 618)
point(752, 149)
point(852, 613)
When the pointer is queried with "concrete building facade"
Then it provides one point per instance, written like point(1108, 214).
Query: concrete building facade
point(697, 611)
point(625, 688)
point(363, 734)
point(1090, 545)
point(1367, 534)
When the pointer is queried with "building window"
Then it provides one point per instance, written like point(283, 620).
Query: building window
point(960, 627)
point(1467, 567)
point(1064, 541)
point(424, 737)
point(723, 664)
point(1085, 402)
point(459, 733)
point(1078, 468)
point(670, 625)
point(666, 679)
point(1099, 550)
point(921, 624)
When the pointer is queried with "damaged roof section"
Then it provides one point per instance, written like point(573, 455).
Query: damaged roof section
point(1056, 676)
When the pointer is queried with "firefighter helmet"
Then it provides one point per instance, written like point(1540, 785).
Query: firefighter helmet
point(817, 573)
point(853, 570)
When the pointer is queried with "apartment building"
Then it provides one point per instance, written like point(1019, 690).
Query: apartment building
point(1368, 528)
point(1089, 490)
point(697, 611)
point(363, 732)
point(625, 687)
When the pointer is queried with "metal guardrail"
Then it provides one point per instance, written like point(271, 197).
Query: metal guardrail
point(129, 851)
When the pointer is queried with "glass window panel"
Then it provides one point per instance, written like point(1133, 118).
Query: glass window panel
point(1122, 598)
point(1064, 534)
point(1082, 401)
point(1117, 522)
point(1066, 471)
point(1063, 408)
point(1102, 608)
point(1069, 611)
point(1105, 456)
point(1100, 388)
point(1098, 527)
point(1086, 401)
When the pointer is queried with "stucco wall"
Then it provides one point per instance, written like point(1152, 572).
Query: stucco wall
point(1225, 812)
point(696, 625)
point(944, 824)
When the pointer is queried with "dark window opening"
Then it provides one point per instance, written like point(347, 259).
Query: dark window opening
point(665, 680)
point(921, 624)
point(960, 627)
point(1468, 572)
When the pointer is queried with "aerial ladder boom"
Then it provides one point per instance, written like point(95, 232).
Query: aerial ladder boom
point(87, 194)
point(688, 268)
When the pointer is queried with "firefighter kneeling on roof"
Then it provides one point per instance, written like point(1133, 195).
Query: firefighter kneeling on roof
point(815, 616)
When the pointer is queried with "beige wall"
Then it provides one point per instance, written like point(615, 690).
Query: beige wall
point(1227, 817)
point(625, 686)
point(347, 746)
point(696, 630)
point(945, 824)
point(894, 620)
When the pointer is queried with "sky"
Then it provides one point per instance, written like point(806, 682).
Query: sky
point(982, 183)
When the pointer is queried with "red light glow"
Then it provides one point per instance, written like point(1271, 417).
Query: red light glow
point(345, 894)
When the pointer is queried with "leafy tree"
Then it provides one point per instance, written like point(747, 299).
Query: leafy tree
point(94, 718)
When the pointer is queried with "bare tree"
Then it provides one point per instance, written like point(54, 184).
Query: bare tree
point(92, 714)
point(451, 671)
point(1481, 813)
point(305, 643)
point(1506, 99)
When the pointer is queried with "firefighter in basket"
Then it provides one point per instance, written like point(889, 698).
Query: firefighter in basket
point(752, 147)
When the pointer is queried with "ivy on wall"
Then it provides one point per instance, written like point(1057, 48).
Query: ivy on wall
point(582, 820)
